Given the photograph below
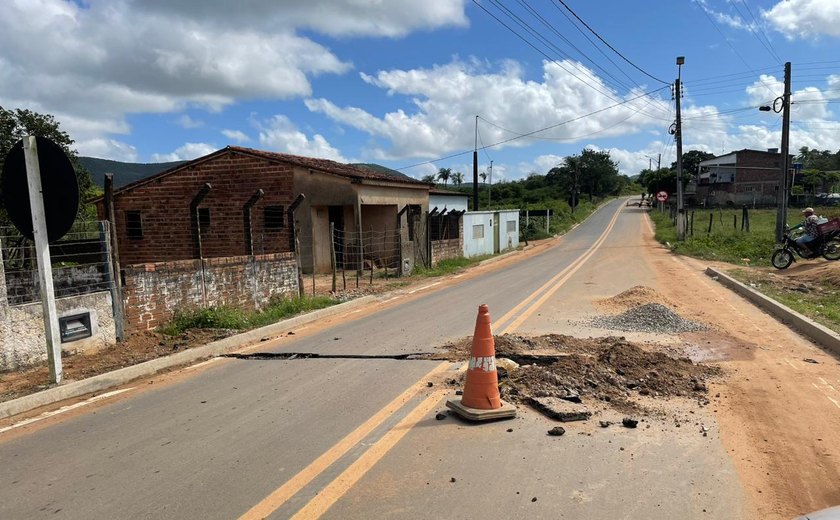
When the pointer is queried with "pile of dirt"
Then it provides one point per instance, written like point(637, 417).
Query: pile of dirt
point(608, 370)
point(823, 274)
point(633, 297)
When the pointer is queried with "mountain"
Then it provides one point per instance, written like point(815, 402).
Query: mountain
point(124, 173)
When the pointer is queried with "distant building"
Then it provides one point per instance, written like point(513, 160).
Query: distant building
point(742, 177)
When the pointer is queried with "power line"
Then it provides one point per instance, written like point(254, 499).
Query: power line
point(750, 26)
point(760, 28)
point(610, 46)
point(531, 30)
point(521, 136)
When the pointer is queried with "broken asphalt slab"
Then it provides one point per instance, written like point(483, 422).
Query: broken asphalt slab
point(560, 409)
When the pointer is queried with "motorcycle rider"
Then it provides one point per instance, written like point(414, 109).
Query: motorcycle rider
point(811, 232)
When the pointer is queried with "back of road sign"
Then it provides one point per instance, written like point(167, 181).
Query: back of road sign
point(59, 186)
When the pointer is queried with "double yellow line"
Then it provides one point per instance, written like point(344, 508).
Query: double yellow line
point(350, 476)
point(526, 308)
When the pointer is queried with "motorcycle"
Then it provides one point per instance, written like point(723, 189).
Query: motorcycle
point(826, 245)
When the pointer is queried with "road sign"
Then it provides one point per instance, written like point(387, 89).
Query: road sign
point(59, 186)
point(662, 196)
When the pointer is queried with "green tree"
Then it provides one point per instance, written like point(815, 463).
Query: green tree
point(429, 178)
point(691, 162)
point(17, 123)
point(444, 174)
point(458, 178)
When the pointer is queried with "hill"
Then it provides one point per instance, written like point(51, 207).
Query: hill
point(124, 173)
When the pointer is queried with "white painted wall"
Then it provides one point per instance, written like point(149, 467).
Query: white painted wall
point(453, 202)
point(481, 222)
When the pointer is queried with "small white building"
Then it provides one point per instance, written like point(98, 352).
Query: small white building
point(490, 232)
point(482, 232)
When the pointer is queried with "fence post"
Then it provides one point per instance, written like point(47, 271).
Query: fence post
point(691, 225)
point(111, 278)
point(711, 220)
point(735, 222)
point(332, 254)
point(113, 252)
point(747, 215)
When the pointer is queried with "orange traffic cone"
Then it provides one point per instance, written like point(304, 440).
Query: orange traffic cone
point(481, 400)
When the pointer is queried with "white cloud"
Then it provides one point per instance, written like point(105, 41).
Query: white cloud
point(279, 134)
point(186, 152)
point(107, 149)
point(390, 18)
point(185, 121)
point(445, 99)
point(236, 135)
point(805, 18)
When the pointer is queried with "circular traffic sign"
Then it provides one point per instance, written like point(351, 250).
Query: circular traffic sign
point(662, 196)
point(59, 187)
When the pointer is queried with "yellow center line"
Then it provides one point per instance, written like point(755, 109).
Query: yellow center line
point(558, 280)
point(349, 477)
point(279, 497)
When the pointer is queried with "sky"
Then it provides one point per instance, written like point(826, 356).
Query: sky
point(417, 85)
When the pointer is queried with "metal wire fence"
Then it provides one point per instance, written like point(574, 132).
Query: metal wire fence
point(80, 263)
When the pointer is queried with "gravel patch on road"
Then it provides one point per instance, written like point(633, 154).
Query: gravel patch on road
point(651, 317)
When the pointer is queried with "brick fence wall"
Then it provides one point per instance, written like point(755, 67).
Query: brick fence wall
point(153, 292)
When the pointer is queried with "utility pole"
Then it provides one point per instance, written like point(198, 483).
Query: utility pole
point(659, 162)
point(678, 135)
point(784, 184)
point(490, 186)
point(475, 168)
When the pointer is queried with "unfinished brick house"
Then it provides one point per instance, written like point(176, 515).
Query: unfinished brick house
point(231, 208)
point(740, 177)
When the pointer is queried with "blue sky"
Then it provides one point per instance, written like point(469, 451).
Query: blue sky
point(400, 82)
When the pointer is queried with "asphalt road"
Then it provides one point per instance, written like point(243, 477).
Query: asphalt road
point(266, 438)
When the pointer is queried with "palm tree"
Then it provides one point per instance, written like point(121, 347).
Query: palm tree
point(458, 178)
point(444, 174)
point(483, 176)
point(429, 178)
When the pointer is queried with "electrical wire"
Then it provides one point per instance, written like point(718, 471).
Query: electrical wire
point(610, 46)
point(521, 136)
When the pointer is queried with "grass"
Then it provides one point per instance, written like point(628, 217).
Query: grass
point(726, 243)
point(448, 266)
point(821, 303)
point(237, 319)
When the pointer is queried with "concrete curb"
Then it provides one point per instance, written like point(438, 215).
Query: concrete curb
point(801, 323)
point(124, 375)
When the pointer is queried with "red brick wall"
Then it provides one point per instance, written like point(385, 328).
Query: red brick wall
point(451, 248)
point(164, 205)
point(760, 162)
point(153, 292)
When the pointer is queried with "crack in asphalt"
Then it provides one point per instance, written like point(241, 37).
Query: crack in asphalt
point(413, 356)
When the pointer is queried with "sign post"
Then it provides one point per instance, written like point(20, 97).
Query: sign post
point(42, 253)
point(662, 197)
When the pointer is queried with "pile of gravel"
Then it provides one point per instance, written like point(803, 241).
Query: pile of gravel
point(652, 317)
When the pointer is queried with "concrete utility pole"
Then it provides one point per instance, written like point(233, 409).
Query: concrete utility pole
point(475, 168)
point(42, 253)
point(678, 136)
point(784, 183)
